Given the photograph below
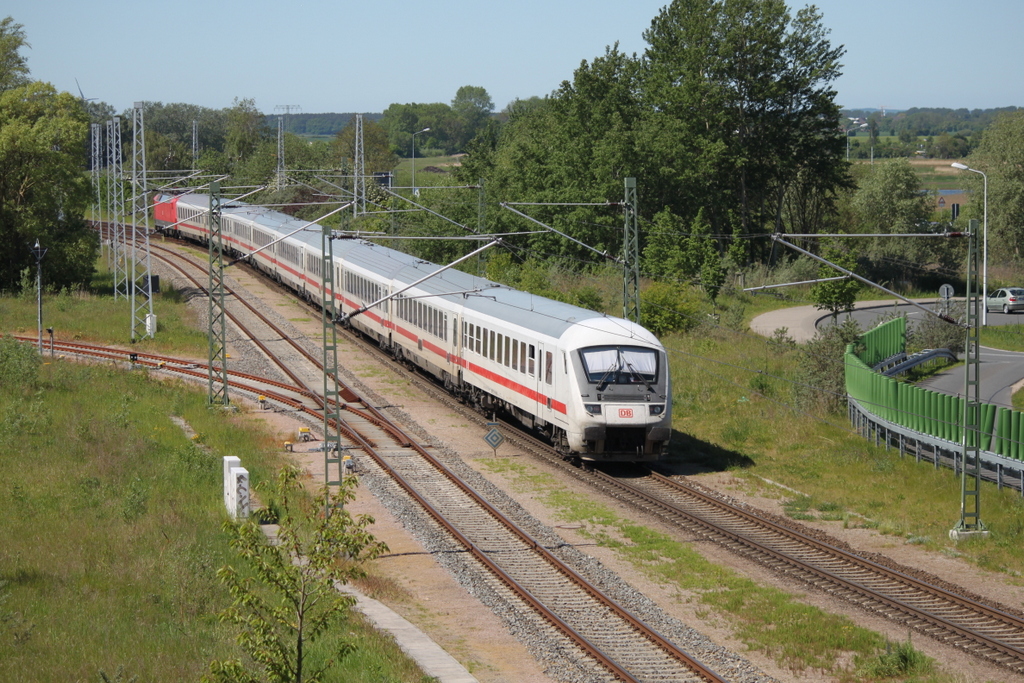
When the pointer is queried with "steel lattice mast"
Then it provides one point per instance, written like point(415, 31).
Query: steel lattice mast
point(279, 181)
point(218, 355)
point(631, 256)
point(970, 523)
point(332, 397)
point(96, 162)
point(359, 171)
point(116, 179)
point(143, 322)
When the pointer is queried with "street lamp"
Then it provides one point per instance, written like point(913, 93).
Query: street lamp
point(415, 192)
point(984, 257)
point(39, 253)
point(852, 126)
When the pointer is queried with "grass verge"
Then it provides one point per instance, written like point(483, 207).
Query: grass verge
point(112, 536)
point(93, 315)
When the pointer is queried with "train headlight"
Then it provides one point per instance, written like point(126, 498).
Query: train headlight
point(657, 410)
point(592, 408)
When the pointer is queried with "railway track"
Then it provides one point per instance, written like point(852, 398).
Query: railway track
point(951, 616)
point(971, 625)
point(986, 631)
point(613, 644)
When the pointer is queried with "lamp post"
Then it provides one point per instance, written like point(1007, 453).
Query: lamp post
point(415, 192)
point(853, 125)
point(984, 249)
point(39, 253)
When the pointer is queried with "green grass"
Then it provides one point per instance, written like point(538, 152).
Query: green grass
point(424, 178)
point(112, 532)
point(1005, 337)
point(92, 315)
point(720, 424)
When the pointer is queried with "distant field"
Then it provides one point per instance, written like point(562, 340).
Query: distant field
point(935, 174)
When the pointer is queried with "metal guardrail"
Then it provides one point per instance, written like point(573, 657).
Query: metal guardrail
point(901, 362)
point(999, 469)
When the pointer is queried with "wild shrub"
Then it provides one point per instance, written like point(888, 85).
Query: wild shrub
point(19, 364)
point(898, 660)
point(669, 308)
point(821, 383)
point(931, 332)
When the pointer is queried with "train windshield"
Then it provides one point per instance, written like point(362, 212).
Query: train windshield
point(620, 364)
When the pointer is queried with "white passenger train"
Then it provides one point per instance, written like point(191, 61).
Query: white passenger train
point(596, 386)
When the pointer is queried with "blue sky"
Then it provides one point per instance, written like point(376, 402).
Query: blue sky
point(344, 56)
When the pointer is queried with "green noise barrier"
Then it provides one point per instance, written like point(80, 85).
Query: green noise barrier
point(922, 410)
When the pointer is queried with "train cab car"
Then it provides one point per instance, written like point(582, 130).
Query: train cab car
point(620, 391)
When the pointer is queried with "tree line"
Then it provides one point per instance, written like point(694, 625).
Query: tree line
point(727, 119)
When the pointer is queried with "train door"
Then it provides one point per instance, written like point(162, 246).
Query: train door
point(533, 355)
point(545, 382)
point(455, 346)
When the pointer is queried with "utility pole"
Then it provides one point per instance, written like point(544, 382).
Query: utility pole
point(332, 396)
point(39, 253)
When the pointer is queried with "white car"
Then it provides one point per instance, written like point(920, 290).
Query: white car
point(1007, 300)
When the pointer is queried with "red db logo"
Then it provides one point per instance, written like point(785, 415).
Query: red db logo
point(625, 412)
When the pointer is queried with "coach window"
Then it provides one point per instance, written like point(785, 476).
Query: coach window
point(533, 355)
point(483, 344)
point(522, 357)
point(515, 354)
point(508, 351)
point(548, 360)
point(498, 351)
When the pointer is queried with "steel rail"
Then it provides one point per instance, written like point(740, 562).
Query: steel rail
point(1014, 653)
point(373, 414)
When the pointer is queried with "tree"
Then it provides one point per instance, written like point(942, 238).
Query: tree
point(890, 200)
point(289, 600)
point(663, 255)
point(13, 66)
point(742, 91)
point(838, 295)
point(1001, 156)
point(43, 191)
point(246, 129)
point(472, 108)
